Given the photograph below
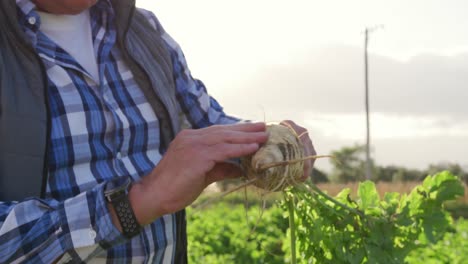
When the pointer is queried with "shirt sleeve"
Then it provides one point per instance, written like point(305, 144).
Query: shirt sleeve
point(40, 231)
point(196, 105)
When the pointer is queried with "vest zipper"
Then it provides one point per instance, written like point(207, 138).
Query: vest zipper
point(45, 169)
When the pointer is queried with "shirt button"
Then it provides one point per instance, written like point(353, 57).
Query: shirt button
point(92, 234)
point(119, 155)
point(32, 20)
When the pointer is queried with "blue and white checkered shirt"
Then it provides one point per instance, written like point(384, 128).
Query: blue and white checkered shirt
point(99, 131)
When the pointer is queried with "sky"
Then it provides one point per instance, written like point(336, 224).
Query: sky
point(303, 60)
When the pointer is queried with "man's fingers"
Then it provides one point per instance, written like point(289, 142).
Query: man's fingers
point(244, 127)
point(221, 152)
point(248, 127)
point(236, 137)
point(233, 134)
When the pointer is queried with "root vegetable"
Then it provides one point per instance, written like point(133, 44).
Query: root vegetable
point(279, 163)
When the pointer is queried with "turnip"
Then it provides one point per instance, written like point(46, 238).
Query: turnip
point(279, 163)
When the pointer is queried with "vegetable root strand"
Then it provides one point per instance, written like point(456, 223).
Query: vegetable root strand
point(259, 218)
point(279, 185)
point(303, 134)
point(288, 162)
point(246, 205)
point(286, 124)
point(206, 203)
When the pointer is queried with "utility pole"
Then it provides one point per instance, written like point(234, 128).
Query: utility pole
point(366, 80)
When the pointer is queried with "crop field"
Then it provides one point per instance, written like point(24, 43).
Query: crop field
point(392, 228)
point(220, 234)
point(382, 188)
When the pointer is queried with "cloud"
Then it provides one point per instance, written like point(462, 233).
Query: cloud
point(331, 80)
point(385, 126)
point(419, 107)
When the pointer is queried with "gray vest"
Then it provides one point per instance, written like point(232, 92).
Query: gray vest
point(24, 117)
point(24, 120)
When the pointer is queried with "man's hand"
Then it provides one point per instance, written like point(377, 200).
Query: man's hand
point(309, 149)
point(194, 159)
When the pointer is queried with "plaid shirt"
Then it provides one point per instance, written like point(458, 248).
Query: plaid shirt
point(99, 131)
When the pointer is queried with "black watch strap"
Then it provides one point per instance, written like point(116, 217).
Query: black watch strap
point(119, 199)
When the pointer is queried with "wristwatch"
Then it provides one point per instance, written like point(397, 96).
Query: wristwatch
point(116, 192)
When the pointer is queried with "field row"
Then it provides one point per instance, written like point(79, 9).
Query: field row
point(227, 233)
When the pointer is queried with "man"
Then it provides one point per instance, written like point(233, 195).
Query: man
point(105, 137)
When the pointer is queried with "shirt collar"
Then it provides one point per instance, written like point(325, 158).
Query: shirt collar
point(102, 16)
point(26, 6)
point(30, 21)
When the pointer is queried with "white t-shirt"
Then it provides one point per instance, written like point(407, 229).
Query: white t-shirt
point(73, 34)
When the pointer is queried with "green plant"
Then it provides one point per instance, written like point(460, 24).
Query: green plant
point(220, 233)
point(452, 249)
point(369, 229)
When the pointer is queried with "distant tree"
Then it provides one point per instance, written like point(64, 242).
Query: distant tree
point(318, 176)
point(349, 164)
point(454, 168)
point(388, 173)
point(397, 173)
point(413, 174)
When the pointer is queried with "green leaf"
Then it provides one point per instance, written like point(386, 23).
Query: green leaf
point(343, 195)
point(442, 187)
point(369, 197)
point(390, 202)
